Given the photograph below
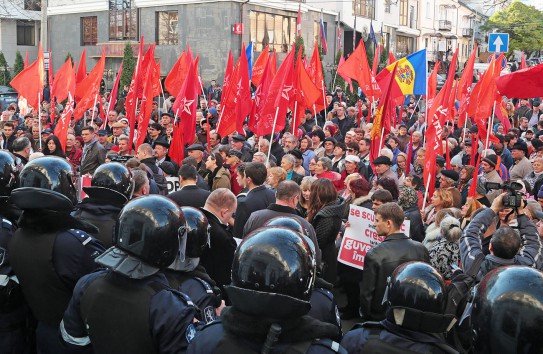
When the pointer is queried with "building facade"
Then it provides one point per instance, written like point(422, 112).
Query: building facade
point(211, 28)
point(20, 28)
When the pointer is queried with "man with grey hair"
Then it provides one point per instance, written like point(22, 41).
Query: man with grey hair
point(260, 157)
point(218, 257)
point(22, 149)
point(141, 183)
point(290, 142)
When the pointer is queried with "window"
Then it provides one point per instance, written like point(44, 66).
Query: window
point(403, 12)
point(387, 6)
point(26, 33)
point(365, 8)
point(33, 5)
point(412, 17)
point(123, 20)
point(404, 46)
point(276, 30)
point(428, 10)
point(89, 30)
point(166, 28)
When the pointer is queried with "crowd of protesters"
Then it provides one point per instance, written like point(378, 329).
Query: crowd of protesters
point(312, 173)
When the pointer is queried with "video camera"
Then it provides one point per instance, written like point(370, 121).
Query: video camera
point(513, 197)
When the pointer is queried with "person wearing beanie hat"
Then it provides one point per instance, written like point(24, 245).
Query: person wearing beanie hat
point(329, 145)
point(500, 167)
point(456, 162)
point(448, 178)
point(382, 169)
point(522, 166)
point(488, 166)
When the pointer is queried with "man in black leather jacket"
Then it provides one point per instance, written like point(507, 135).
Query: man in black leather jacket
point(380, 261)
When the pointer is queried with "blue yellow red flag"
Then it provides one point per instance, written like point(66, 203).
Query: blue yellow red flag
point(410, 77)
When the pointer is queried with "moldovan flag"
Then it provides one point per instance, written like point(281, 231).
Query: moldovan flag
point(410, 75)
point(29, 82)
point(358, 68)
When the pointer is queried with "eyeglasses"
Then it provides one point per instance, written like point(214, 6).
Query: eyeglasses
point(350, 150)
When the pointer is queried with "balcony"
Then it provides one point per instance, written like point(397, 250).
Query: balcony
point(445, 25)
point(467, 32)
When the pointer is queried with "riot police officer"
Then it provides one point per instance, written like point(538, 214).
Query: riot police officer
point(129, 307)
point(111, 187)
point(51, 250)
point(507, 312)
point(415, 320)
point(13, 309)
point(272, 280)
point(187, 275)
point(323, 303)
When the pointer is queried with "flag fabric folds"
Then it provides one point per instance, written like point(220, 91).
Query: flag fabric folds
point(177, 75)
point(357, 67)
point(315, 73)
point(87, 90)
point(522, 83)
point(324, 45)
point(61, 128)
point(29, 82)
point(346, 78)
point(260, 65)
point(185, 104)
point(410, 75)
point(82, 68)
point(65, 81)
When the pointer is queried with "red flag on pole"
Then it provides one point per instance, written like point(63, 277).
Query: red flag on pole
point(132, 96)
point(157, 87)
point(299, 23)
point(52, 88)
point(273, 64)
point(82, 68)
point(260, 65)
point(523, 61)
point(115, 90)
point(432, 85)
point(346, 78)
point(29, 82)
point(274, 108)
point(465, 88)
point(357, 67)
point(228, 71)
point(174, 80)
point(145, 109)
point(487, 94)
point(185, 104)
point(61, 129)
point(88, 89)
point(315, 73)
point(65, 81)
point(260, 97)
point(378, 50)
point(391, 58)
point(305, 93)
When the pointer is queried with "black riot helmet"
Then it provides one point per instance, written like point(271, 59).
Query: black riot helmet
point(273, 273)
point(147, 237)
point(507, 311)
point(8, 173)
point(289, 223)
point(418, 291)
point(46, 183)
point(111, 181)
point(197, 232)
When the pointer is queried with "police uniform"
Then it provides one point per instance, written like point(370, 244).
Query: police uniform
point(116, 314)
point(324, 307)
point(48, 265)
point(205, 296)
point(214, 339)
point(13, 309)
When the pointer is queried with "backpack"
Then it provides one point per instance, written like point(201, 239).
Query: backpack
point(159, 179)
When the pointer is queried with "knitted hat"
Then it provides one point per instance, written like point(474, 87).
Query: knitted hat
point(492, 160)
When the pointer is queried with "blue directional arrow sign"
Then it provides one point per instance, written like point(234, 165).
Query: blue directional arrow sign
point(498, 42)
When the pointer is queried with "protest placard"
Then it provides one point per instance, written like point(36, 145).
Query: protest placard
point(361, 236)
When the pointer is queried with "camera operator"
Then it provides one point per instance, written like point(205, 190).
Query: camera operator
point(506, 246)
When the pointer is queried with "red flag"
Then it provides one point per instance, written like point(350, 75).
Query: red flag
point(147, 68)
point(82, 68)
point(177, 146)
point(65, 81)
point(306, 93)
point(61, 129)
point(487, 94)
point(228, 71)
point(260, 97)
point(473, 188)
point(132, 96)
point(432, 85)
point(25, 65)
point(260, 65)
point(275, 106)
point(51, 88)
point(115, 90)
point(523, 61)
point(391, 58)
point(465, 88)
point(501, 113)
point(157, 86)
point(315, 73)
point(376, 57)
point(237, 105)
point(29, 82)
point(346, 78)
point(382, 121)
point(145, 109)
point(185, 105)
point(299, 23)
point(177, 75)
point(88, 89)
point(437, 115)
point(357, 67)
point(522, 83)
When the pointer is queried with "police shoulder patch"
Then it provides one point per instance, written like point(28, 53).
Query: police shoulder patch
point(190, 333)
